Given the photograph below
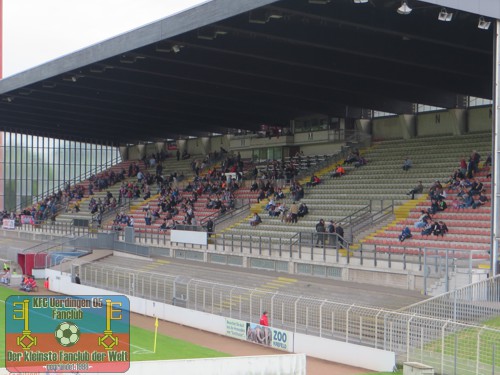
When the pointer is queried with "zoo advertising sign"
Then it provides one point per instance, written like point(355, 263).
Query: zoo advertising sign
point(269, 336)
point(60, 334)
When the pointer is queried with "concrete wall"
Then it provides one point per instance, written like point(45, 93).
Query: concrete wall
point(387, 128)
point(479, 119)
point(435, 123)
point(321, 149)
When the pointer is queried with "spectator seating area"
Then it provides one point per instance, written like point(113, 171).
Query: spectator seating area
point(200, 210)
point(83, 203)
point(382, 178)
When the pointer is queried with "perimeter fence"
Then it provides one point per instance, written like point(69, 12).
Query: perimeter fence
point(450, 346)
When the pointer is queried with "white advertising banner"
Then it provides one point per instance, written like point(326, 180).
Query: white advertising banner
point(8, 224)
point(188, 236)
point(269, 336)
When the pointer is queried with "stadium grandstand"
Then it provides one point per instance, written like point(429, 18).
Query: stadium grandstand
point(331, 162)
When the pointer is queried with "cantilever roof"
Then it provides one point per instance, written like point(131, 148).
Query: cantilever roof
point(240, 64)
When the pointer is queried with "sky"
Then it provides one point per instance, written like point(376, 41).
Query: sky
point(37, 31)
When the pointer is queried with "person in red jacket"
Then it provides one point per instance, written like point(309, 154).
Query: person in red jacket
point(263, 319)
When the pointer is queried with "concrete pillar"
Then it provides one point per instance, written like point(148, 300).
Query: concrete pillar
point(460, 123)
point(123, 152)
point(181, 145)
point(160, 146)
point(142, 150)
point(205, 143)
point(364, 125)
point(408, 125)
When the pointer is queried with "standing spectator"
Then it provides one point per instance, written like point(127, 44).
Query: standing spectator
point(294, 211)
point(331, 233)
point(320, 229)
point(340, 234)
point(264, 321)
point(178, 154)
point(210, 227)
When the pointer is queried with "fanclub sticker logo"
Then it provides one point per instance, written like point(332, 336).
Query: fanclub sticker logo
point(60, 334)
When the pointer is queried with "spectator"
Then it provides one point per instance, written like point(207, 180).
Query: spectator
point(339, 172)
point(77, 279)
point(294, 210)
point(418, 189)
point(331, 233)
point(340, 234)
point(407, 164)
point(320, 230)
point(264, 321)
point(303, 210)
point(210, 227)
point(5, 279)
point(405, 233)
point(255, 220)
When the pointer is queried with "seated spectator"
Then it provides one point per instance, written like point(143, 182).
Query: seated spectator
point(407, 164)
point(468, 201)
point(418, 189)
point(255, 220)
point(361, 161)
point(279, 194)
point(476, 187)
point(254, 186)
point(429, 228)
point(270, 205)
point(405, 233)
point(303, 210)
point(315, 180)
point(482, 199)
point(439, 228)
point(29, 284)
point(434, 207)
point(444, 228)
point(423, 220)
point(351, 158)
point(339, 172)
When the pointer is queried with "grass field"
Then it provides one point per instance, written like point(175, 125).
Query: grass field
point(141, 341)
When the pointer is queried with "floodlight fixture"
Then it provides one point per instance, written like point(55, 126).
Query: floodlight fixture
point(444, 15)
point(483, 24)
point(209, 33)
point(404, 9)
point(360, 1)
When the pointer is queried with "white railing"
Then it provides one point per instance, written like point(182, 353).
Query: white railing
point(449, 346)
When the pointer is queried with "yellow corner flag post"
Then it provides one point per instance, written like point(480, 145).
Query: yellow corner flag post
point(156, 335)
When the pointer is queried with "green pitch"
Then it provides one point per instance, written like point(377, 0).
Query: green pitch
point(141, 345)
